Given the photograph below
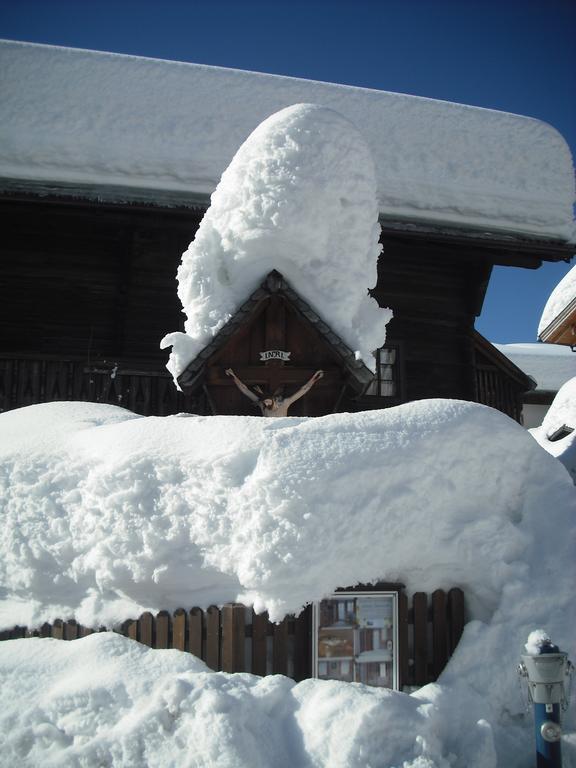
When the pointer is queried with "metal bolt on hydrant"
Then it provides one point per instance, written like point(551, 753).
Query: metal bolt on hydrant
point(548, 674)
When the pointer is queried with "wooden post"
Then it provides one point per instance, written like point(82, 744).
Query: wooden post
point(233, 638)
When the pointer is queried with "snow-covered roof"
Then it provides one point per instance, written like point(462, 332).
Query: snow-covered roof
point(106, 119)
point(559, 300)
point(548, 364)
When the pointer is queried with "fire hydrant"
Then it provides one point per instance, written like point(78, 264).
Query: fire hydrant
point(548, 674)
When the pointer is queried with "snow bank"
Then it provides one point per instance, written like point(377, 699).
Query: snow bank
point(113, 514)
point(562, 413)
point(96, 118)
point(561, 296)
point(299, 196)
point(550, 365)
point(105, 514)
point(106, 700)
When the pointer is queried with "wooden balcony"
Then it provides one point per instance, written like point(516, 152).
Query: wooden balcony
point(27, 380)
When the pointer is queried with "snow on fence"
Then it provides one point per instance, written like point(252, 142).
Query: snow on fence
point(235, 639)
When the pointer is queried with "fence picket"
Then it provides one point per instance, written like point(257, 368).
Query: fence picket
point(58, 629)
point(403, 671)
point(70, 630)
point(259, 643)
point(146, 629)
point(196, 628)
point(162, 639)
point(179, 630)
point(439, 633)
point(420, 610)
point(213, 638)
point(280, 648)
point(455, 617)
point(233, 638)
point(303, 645)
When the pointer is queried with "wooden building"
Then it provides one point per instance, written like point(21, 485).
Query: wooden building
point(89, 291)
point(99, 197)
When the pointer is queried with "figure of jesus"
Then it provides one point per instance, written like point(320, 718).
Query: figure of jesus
point(273, 405)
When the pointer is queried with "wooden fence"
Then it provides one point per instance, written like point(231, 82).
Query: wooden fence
point(235, 639)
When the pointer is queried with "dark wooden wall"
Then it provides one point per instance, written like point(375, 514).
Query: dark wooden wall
point(95, 282)
point(434, 293)
point(89, 280)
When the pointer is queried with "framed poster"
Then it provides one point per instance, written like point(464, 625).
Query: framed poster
point(356, 638)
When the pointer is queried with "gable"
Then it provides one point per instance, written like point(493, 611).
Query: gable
point(276, 320)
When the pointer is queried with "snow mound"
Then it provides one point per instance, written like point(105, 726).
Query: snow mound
point(117, 514)
point(561, 414)
point(298, 196)
point(92, 118)
point(106, 700)
point(561, 296)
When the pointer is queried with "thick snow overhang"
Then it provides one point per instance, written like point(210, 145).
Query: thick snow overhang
point(558, 321)
point(92, 120)
point(359, 376)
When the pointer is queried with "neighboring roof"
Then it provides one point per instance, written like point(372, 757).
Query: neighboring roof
point(83, 117)
point(491, 354)
point(549, 365)
point(558, 321)
point(275, 283)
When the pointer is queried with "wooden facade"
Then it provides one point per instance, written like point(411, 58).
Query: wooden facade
point(89, 289)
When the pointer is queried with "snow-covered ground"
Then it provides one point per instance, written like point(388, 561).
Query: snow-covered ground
point(106, 514)
point(106, 700)
point(299, 196)
point(95, 118)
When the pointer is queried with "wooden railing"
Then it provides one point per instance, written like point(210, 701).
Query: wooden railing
point(27, 380)
point(235, 639)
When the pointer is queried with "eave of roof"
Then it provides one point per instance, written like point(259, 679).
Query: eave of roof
point(275, 283)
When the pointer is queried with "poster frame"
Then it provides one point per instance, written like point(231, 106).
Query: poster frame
point(354, 595)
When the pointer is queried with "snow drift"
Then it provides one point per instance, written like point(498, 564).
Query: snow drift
point(106, 514)
point(298, 196)
point(560, 416)
point(106, 700)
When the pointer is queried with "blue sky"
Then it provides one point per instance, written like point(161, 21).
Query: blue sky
point(513, 55)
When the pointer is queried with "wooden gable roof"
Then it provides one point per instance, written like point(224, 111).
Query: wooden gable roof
point(276, 318)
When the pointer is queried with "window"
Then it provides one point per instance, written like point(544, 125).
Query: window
point(386, 380)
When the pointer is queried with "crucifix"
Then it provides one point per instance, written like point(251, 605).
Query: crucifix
point(273, 404)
